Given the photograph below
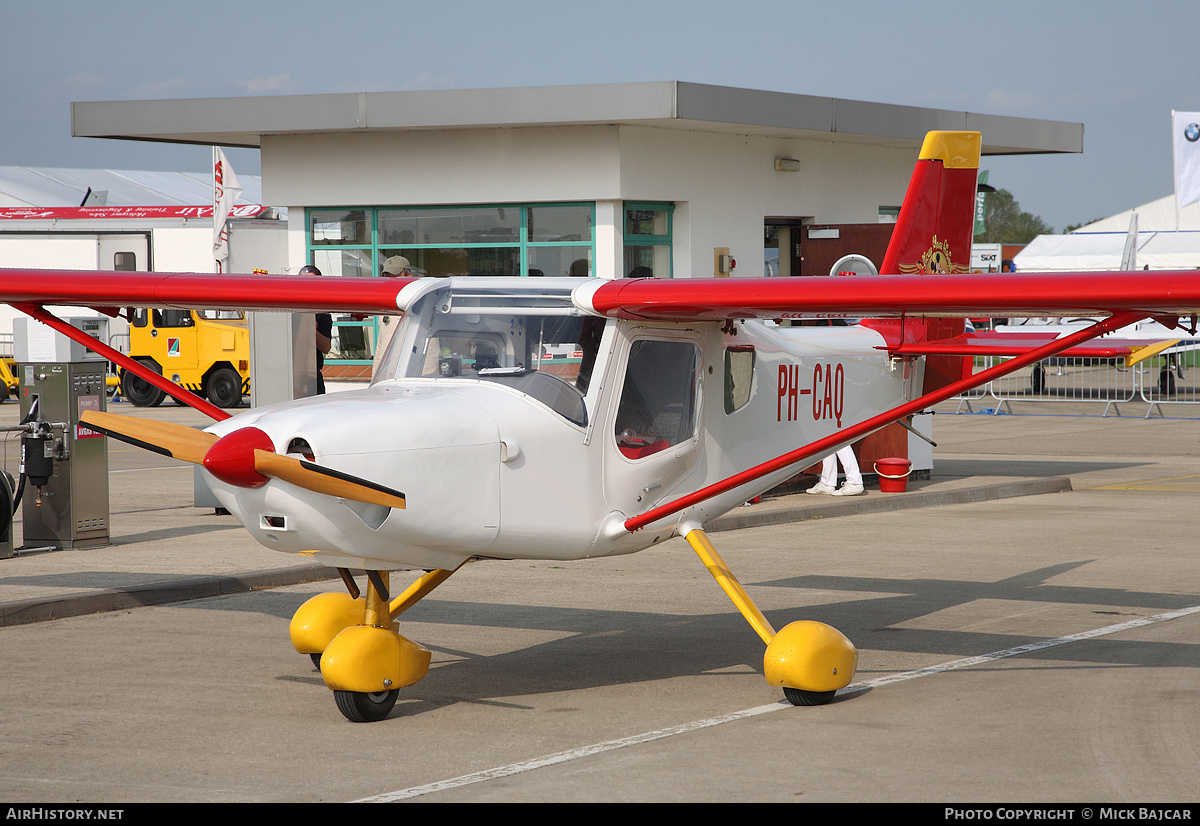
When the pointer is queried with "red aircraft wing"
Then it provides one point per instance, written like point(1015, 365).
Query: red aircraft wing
point(77, 288)
point(30, 290)
point(1170, 293)
point(1163, 293)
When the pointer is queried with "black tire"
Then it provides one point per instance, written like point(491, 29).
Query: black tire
point(316, 658)
point(359, 707)
point(1166, 382)
point(140, 392)
point(800, 697)
point(1039, 378)
point(224, 388)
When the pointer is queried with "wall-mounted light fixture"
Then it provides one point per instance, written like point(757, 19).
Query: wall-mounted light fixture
point(787, 165)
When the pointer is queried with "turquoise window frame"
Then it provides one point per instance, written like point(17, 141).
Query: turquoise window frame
point(630, 239)
point(523, 244)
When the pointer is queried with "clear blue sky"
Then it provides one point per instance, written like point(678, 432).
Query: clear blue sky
point(1115, 67)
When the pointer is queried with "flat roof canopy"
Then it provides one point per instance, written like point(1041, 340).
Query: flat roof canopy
point(244, 121)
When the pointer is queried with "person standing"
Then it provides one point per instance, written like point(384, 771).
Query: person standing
point(395, 267)
point(853, 485)
point(324, 334)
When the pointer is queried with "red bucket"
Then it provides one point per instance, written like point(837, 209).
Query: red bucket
point(893, 474)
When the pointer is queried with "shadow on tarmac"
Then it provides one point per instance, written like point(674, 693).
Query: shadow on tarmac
point(613, 647)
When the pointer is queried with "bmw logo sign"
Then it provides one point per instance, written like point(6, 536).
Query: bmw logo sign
point(1192, 132)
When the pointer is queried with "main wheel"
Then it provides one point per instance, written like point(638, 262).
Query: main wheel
point(360, 707)
point(139, 391)
point(1039, 378)
point(1166, 382)
point(224, 388)
point(800, 697)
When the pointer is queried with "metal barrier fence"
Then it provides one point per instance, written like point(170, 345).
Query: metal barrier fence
point(1173, 379)
point(118, 341)
point(1157, 381)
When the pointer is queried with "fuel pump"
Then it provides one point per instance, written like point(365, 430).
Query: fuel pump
point(39, 449)
point(63, 489)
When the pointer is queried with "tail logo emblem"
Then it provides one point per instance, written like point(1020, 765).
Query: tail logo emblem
point(934, 261)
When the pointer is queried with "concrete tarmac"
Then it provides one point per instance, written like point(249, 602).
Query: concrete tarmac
point(1027, 621)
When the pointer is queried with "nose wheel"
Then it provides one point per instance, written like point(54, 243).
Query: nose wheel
point(364, 707)
point(353, 642)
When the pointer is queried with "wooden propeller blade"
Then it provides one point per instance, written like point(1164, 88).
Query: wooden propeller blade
point(190, 445)
point(325, 480)
point(166, 438)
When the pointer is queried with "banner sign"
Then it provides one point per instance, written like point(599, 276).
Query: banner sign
point(107, 213)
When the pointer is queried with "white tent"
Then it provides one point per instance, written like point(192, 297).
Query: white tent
point(1156, 216)
point(1165, 241)
point(22, 186)
point(1101, 251)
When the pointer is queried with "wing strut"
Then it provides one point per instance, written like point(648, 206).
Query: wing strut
point(823, 447)
point(161, 382)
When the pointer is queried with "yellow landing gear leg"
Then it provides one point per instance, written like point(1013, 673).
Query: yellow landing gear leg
point(810, 660)
point(362, 657)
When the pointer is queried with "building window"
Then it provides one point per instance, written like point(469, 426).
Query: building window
point(647, 235)
point(524, 239)
point(558, 240)
point(441, 241)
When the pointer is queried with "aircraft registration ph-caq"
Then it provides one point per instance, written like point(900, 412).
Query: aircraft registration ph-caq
point(475, 442)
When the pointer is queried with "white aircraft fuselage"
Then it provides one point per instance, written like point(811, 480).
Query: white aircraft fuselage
point(519, 425)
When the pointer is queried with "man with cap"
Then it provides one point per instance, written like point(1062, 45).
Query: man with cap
point(395, 267)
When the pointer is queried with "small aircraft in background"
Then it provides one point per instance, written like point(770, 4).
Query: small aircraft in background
point(561, 419)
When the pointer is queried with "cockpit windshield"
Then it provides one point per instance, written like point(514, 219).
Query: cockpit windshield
point(538, 344)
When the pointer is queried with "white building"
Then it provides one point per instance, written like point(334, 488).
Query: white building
point(584, 180)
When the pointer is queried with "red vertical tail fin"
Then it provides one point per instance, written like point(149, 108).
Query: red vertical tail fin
point(933, 235)
point(936, 223)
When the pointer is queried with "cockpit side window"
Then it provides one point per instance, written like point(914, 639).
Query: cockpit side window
point(658, 399)
point(739, 376)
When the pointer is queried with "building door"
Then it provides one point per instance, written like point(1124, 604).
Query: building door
point(781, 246)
